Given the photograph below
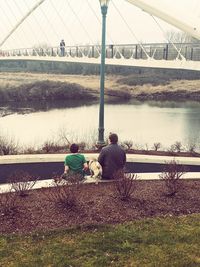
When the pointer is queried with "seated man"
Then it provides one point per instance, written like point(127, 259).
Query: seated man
point(75, 163)
point(112, 157)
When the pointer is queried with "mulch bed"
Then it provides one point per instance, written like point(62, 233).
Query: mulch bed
point(40, 210)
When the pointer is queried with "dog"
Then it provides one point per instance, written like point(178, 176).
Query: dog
point(95, 169)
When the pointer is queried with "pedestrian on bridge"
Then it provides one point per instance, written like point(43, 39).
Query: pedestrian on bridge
point(62, 48)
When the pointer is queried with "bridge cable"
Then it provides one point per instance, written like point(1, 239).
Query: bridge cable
point(13, 14)
point(46, 37)
point(142, 47)
point(62, 21)
point(28, 21)
point(52, 24)
point(21, 21)
point(52, 27)
point(169, 41)
point(8, 19)
point(80, 47)
point(93, 11)
point(117, 49)
point(81, 24)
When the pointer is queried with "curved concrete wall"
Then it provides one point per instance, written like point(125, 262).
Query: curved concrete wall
point(46, 165)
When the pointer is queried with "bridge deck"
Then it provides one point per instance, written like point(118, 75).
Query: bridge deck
point(147, 63)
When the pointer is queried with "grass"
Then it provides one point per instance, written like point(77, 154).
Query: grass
point(114, 82)
point(170, 241)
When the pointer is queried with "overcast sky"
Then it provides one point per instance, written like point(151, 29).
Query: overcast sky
point(79, 22)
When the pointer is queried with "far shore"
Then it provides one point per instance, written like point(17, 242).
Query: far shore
point(130, 86)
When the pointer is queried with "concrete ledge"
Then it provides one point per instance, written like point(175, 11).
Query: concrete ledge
point(47, 165)
point(38, 158)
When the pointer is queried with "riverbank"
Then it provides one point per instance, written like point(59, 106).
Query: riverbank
point(144, 86)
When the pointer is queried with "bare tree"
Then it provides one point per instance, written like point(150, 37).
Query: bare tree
point(180, 37)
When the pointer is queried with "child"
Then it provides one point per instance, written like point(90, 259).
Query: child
point(75, 163)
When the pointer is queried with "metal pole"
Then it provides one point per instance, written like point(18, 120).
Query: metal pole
point(101, 141)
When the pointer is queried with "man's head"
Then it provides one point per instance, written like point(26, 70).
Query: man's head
point(74, 148)
point(113, 138)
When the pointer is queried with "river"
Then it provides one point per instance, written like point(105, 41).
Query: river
point(145, 123)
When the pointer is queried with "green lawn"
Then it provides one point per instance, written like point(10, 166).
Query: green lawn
point(171, 241)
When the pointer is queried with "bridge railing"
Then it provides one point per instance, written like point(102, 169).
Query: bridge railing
point(158, 51)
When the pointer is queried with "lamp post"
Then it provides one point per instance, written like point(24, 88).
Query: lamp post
point(104, 7)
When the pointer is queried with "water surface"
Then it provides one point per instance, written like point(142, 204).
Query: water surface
point(142, 122)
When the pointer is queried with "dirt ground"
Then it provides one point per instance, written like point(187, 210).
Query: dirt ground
point(88, 204)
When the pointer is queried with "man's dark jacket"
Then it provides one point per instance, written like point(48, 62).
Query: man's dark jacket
point(112, 158)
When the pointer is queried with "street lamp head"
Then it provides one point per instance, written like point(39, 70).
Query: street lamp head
point(104, 3)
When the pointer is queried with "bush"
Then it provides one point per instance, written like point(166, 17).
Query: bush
point(8, 146)
point(125, 184)
point(51, 147)
point(172, 177)
point(82, 145)
point(65, 192)
point(22, 182)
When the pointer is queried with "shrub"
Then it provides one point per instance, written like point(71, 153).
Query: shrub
point(51, 146)
point(8, 146)
point(125, 184)
point(65, 193)
point(172, 177)
point(29, 150)
point(22, 182)
point(82, 145)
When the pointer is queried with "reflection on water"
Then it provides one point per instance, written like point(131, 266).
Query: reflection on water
point(26, 107)
point(142, 122)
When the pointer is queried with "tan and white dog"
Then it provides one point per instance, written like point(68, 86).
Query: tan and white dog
point(95, 168)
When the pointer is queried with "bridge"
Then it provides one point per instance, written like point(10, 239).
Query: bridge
point(169, 55)
point(156, 55)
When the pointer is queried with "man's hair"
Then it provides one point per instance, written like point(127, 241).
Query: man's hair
point(74, 148)
point(113, 138)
